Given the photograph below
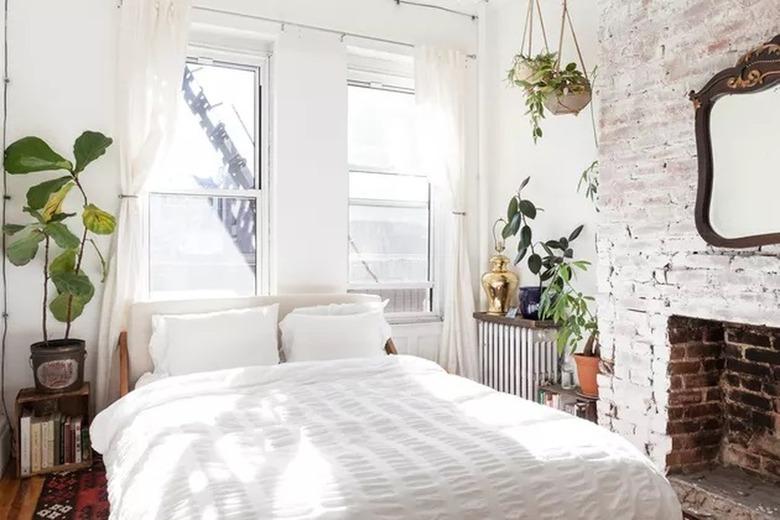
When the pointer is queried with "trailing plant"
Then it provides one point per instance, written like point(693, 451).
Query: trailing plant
point(49, 229)
point(590, 180)
point(569, 309)
point(545, 79)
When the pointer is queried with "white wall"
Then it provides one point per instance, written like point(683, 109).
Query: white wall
point(62, 65)
point(566, 149)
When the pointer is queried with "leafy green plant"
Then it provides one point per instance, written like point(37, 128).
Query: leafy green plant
point(49, 228)
point(544, 80)
point(520, 213)
point(569, 309)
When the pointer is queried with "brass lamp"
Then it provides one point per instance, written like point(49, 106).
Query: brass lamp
point(500, 284)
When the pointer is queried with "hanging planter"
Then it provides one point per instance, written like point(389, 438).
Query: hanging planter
point(548, 86)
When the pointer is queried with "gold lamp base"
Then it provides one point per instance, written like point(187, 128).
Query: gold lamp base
point(500, 285)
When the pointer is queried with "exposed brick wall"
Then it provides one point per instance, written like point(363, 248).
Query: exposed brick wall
point(652, 263)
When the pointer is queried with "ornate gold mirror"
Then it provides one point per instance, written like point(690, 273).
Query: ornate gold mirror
point(738, 143)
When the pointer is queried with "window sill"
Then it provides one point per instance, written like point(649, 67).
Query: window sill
point(415, 319)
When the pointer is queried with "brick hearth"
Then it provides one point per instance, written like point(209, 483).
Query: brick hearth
point(724, 396)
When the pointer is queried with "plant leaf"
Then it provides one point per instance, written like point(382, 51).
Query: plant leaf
point(65, 262)
point(98, 221)
point(38, 195)
point(525, 236)
point(576, 233)
point(88, 147)
point(535, 263)
point(59, 307)
point(24, 249)
point(12, 229)
point(511, 210)
point(32, 154)
point(62, 235)
point(527, 208)
point(103, 263)
point(54, 204)
point(520, 255)
point(524, 183)
point(77, 284)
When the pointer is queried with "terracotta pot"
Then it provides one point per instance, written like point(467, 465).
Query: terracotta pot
point(568, 103)
point(587, 368)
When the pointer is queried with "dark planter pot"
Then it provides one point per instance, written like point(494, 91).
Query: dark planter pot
point(58, 365)
point(530, 298)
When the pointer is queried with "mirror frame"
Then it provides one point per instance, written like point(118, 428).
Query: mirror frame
point(757, 70)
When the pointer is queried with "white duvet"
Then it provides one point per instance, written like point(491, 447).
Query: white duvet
point(393, 438)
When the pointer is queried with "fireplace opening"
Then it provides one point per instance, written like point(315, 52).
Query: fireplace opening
point(724, 415)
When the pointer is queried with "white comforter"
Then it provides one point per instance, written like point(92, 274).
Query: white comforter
point(392, 437)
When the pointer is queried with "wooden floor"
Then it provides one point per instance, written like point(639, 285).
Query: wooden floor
point(18, 498)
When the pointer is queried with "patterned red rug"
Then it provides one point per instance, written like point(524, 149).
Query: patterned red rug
point(75, 495)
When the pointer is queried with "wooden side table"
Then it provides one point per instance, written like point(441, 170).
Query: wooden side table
point(75, 403)
point(583, 406)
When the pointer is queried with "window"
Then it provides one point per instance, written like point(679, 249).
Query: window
point(205, 211)
point(390, 216)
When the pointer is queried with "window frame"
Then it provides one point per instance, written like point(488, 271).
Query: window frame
point(205, 55)
point(397, 83)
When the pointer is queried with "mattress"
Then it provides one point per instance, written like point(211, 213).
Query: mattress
point(393, 437)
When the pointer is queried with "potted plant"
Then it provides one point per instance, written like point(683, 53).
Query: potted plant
point(559, 90)
point(569, 309)
point(58, 364)
point(520, 212)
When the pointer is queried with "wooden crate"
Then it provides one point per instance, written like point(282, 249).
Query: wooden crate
point(72, 403)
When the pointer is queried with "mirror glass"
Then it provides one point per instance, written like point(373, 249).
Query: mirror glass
point(745, 133)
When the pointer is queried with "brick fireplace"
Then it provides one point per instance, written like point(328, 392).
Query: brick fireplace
point(724, 397)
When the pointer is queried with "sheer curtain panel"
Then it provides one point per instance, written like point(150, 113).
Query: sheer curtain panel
point(440, 85)
point(152, 49)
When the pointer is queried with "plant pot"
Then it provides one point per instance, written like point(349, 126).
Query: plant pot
point(587, 369)
point(58, 365)
point(521, 71)
point(568, 103)
point(529, 300)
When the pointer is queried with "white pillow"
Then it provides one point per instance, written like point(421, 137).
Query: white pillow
point(342, 308)
point(188, 343)
point(314, 337)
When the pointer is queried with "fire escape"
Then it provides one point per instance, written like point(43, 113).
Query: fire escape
point(236, 214)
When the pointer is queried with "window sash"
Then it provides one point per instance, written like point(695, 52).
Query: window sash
point(261, 159)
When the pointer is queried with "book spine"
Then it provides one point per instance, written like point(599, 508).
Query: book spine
point(50, 441)
point(45, 444)
point(85, 447)
point(24, 445)
point(77, 439)
point(35, 448)
point(56, 439)
point(62, 440)
point(67, 441)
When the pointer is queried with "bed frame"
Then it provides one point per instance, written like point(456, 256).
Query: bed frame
point(133, 348)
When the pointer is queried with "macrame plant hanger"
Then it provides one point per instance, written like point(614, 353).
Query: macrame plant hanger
point(574, 101)
point(527, 42)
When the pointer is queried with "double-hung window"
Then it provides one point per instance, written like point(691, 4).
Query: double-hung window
point(390, 205)
point(206, 209)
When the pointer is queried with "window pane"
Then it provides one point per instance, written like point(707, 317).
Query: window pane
point(214, 145)
point(377, 186)
point(388, 244)
point(381, 129)
point(202, 246)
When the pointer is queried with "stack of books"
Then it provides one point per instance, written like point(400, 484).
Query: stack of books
point(52, 440)
point(583, 408)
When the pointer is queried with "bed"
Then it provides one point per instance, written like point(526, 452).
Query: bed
point(391, 437)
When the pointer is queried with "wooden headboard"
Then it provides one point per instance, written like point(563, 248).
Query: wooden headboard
point(133, 349)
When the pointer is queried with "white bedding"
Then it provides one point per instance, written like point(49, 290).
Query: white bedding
point(393, 437)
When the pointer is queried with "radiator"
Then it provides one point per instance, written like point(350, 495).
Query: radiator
point(515, 358)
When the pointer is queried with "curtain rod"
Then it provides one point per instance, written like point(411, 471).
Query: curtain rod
point(437, 7)
point(284, 23)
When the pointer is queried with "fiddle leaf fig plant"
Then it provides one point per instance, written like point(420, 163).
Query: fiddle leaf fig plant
point(49, 226)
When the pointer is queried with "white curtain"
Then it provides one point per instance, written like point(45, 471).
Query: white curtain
point(152, 50)
point(440, 85)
